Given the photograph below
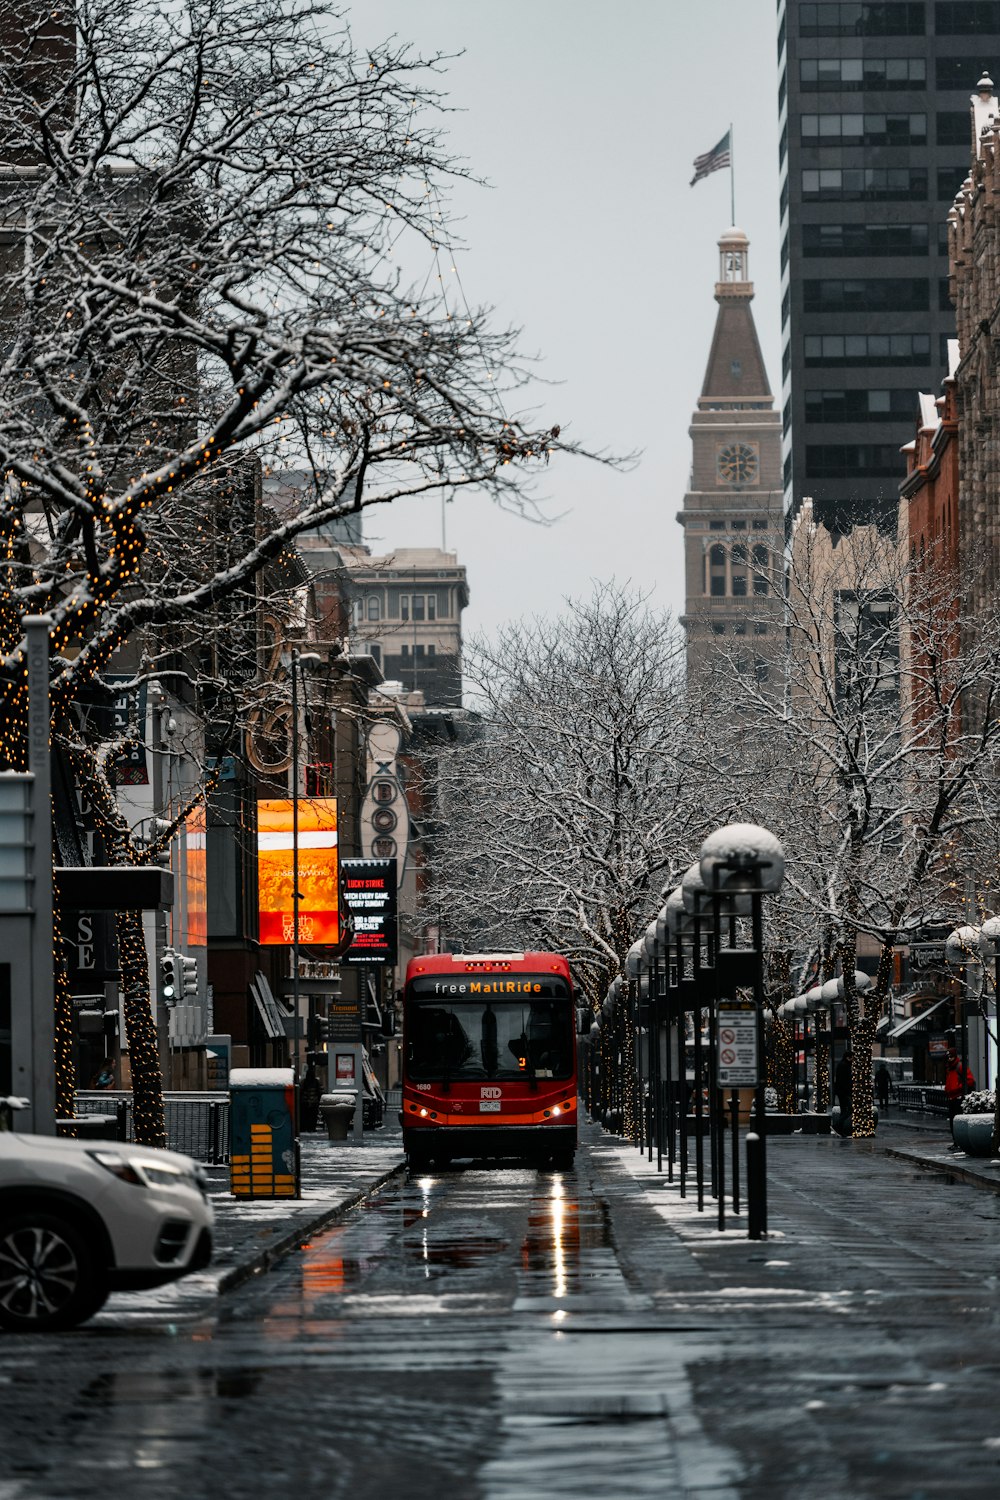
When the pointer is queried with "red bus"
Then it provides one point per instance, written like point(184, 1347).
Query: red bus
point(489, 1058)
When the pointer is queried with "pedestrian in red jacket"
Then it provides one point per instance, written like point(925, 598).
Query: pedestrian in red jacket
point(956, 1080)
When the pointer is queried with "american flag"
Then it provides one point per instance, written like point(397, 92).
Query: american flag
point(712, 161)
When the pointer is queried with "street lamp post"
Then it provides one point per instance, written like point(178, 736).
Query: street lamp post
point(298, 658)
point(962, 948)
point(746, 860)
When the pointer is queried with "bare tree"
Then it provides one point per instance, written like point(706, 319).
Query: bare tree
point(568, 810)
point(204, 212)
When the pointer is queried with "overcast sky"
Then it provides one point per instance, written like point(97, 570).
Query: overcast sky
point(584, 116)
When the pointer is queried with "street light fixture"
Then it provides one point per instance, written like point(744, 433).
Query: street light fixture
point(299, 659)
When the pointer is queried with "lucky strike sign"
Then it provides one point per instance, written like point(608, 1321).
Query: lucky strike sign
point(369, 894)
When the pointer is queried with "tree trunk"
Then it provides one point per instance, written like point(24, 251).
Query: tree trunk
point(140, 1031)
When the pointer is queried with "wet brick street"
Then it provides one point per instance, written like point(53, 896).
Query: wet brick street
point(506, 1332)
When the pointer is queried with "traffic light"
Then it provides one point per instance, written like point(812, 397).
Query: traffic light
point(188, 974)
point(168, 977)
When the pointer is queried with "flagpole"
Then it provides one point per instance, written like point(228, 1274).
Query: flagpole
point(732, 177)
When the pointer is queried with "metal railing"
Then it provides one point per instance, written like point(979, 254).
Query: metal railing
point(928, 1097)
point(197, 1124)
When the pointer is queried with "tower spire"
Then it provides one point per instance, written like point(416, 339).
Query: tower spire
point(735, 372)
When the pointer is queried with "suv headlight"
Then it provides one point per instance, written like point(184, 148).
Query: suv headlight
point(141, 1171)
point(118, 1166)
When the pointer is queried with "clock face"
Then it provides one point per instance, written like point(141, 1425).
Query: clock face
point(737, 463)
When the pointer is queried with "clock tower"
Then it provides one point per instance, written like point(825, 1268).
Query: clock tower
point(733, 515)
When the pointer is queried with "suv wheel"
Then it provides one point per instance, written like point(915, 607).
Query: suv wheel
point(49, 1275)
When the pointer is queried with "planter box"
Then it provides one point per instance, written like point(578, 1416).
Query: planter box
point(974, 1134)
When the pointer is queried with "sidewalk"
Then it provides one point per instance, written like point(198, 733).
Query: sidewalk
point(928, 1149)
point(251, 1234)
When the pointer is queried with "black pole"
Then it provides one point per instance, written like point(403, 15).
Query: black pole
point(759, 1219)
point(734, 1110)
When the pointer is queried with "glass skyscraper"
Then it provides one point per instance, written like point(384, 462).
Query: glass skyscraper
point(875, 141)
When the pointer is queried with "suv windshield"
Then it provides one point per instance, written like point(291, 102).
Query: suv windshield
point(480, 1037)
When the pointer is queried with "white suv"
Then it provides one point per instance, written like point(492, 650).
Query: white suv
point(81, 1219)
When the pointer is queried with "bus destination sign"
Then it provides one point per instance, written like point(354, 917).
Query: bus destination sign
point(368, 893)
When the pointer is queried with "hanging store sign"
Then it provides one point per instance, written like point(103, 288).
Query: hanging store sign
point(368, 892)
point(319, 916)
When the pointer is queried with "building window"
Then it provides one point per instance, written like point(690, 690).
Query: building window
point(717, 571)
point(959, 73)
point(879, 18)
point(848, 460)
point(966, 18)
point(404, 606)
point(759, 628)
point(718, 629)
point(759, 523)
point(893, 294)
point(740, 628)
point(859, 406)
point(867, 349)
point(431, 650)
point(739, 571)
point(865, 239)
point(949, 181)
point(864, 130)
point(856, 184)
point(953, 128)
point(432, 606)
point(404, 649)
point(852, 74)
point(419, 651)
point(716, 525)
point(418, 606)
point(375, 652)
point(760, 569)
point(374, 607)
point(739, 525)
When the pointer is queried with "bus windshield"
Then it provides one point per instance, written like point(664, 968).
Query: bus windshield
point(480, 1037)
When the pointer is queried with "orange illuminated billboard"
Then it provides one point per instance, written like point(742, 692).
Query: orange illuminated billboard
point(319, 919)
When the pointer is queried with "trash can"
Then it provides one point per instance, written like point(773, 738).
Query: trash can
point(263, 1142)
point(337, 1113)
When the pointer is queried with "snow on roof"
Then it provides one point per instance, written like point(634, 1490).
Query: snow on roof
point(930, 417)
point(261, 1078)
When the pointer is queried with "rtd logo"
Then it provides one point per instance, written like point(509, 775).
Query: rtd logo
point(489, 1094)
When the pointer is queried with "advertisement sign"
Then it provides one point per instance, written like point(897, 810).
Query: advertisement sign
point(319, 920)
point(344, 1020)
point(343, 1072)
point(368, 890)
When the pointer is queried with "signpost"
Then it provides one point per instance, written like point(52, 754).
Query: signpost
point(737, 1063)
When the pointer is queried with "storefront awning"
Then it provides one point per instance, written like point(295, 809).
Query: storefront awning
point(915, 1020)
